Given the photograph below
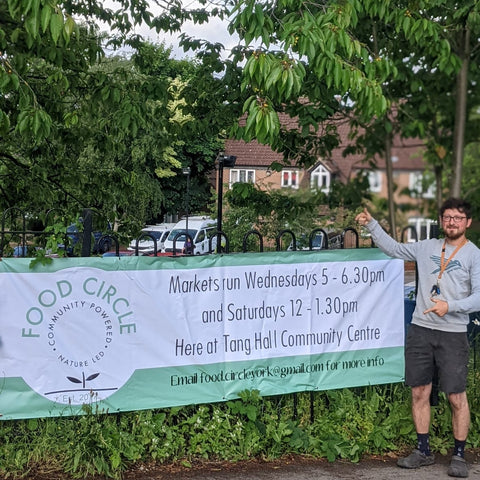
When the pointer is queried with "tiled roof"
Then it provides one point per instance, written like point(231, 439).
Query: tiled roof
point(406, 154)
point(252, 154)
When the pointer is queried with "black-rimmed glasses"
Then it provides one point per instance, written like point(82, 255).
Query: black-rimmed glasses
point(447, 218)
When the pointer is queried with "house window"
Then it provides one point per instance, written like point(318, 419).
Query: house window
point(320, 179)
point(241, 176)
point(422, 185)
point(375, 181)
point(290, 178)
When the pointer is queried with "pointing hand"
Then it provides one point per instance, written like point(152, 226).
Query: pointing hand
point(440, 308)
point(363, 218)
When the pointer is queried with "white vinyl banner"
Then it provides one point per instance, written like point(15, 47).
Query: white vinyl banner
point(139, 332)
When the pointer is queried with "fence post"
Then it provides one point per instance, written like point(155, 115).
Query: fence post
point(87, 232)
point(278, 239)
point(355, 233)
point(245, 238)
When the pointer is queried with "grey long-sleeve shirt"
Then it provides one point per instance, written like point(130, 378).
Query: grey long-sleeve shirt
point(459, 285)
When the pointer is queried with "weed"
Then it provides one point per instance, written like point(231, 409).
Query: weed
point(346, 423)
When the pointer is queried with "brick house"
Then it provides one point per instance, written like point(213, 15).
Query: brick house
point(253, 162)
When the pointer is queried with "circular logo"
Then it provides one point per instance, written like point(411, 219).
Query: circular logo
point(79, 332)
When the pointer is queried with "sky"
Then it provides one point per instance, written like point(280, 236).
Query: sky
point(215, 31)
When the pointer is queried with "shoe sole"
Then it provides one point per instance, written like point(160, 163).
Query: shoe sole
point(423, 464)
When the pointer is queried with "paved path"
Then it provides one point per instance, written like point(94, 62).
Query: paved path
point(381, 469)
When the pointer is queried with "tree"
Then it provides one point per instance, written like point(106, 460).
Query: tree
point(65, 33)
point(63, 115)
point(88, 130)
point(310, 61)
point(304, 59)
point(107, 142)
point(440, 100)
point(374, 56)
point(196, 143)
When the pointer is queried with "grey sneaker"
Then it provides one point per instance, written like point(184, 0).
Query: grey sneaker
point(458, 467)
point(416, 459)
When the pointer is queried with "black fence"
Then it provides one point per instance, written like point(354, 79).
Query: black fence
point(22, 234)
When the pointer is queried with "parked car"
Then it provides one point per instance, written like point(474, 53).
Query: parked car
point(146, 245)
point(303, 242)
point(200, 229)
point(101, 242)
point(24, 250)
point(318, 242)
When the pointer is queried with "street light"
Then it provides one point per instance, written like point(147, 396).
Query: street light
point(222, 161)
point(186, 171)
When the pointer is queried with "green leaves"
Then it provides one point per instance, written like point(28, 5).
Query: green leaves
point(8, 80)
point(262, 120)
point(56, 25)
point(259, 24)
point(37, 35)
point(34, 123)
point(276, 79)
point(321, 56)
point(41, 17)
point(45, 17)
point(364, 56)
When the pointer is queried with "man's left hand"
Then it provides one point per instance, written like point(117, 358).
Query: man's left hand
point(440, 308)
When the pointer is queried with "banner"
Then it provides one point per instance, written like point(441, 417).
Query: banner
point(132, 333)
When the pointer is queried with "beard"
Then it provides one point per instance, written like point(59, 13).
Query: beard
point(454, 235)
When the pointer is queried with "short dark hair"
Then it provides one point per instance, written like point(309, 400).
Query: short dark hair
point(456, 204)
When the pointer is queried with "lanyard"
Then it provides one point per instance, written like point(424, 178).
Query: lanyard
point(443, 263)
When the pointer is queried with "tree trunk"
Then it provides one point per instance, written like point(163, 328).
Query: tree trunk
point(389, 171)
point(460, 114)
point(438, 184)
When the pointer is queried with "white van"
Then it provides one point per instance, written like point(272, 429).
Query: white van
point(200, 229)
point(146, 245)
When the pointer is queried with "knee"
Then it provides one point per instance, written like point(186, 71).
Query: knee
point(421, 394)
point(458, 401)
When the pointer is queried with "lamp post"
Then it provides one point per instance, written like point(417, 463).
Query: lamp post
point(222, 161)
point(186, 171)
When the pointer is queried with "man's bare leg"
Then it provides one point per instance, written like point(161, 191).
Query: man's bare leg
point(421, 456)
point(460, 415)
point(421, 407)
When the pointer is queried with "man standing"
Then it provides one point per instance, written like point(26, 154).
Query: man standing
point(448, 290)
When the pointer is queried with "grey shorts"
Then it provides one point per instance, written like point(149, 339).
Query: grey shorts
point(426, 349)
